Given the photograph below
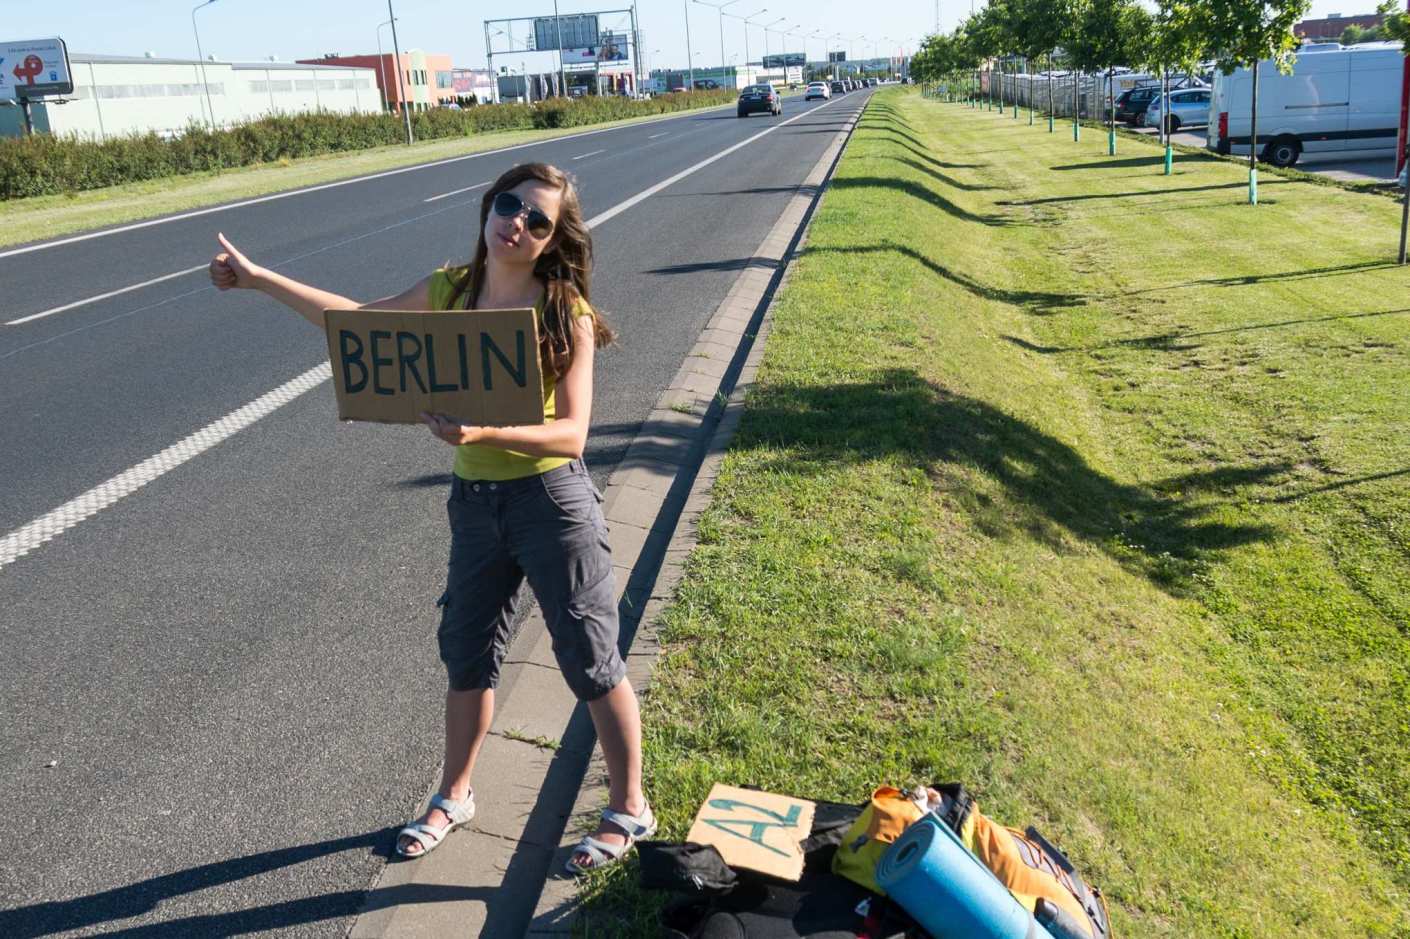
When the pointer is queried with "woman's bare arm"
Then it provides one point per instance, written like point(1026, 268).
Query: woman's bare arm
point(230, 269)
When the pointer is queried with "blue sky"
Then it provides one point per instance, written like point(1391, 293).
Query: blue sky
point(295, 29)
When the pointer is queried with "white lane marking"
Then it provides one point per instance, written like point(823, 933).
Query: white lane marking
point(103, 296)
point(23, 540)
point(662, 134)
point(342, 182)
point(18, 543)
point(584, 156)
point(456, 192)
point(621, 207)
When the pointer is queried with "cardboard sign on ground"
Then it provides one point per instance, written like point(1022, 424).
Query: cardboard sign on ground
point(757, 831)
point(481, 367)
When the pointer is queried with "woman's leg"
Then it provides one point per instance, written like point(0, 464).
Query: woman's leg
point(477, 609)
point(562, 544)
point(617, 719)
point(468, 718)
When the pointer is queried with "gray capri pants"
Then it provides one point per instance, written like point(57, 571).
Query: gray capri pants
point(549, 529)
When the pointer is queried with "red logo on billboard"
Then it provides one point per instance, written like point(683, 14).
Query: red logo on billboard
point(31, 66)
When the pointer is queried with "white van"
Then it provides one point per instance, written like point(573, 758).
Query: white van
point(1338, 99)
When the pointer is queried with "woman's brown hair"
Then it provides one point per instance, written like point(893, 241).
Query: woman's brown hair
point(565, 266)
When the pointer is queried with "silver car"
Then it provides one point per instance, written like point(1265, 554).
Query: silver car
point(1188, 107)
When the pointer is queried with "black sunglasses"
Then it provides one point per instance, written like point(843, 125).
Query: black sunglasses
point(508, 205)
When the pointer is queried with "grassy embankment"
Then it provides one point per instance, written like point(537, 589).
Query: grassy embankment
point(1088, 487)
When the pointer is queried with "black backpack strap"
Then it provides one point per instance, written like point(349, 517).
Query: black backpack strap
point(1089, 897)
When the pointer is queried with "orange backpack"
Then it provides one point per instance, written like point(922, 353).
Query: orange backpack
point(1023, 861)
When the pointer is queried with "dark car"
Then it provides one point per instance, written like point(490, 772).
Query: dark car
point(838, 88)
point(1131, 105)
point(759, 98)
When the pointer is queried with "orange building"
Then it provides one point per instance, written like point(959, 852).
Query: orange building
point(426, 77)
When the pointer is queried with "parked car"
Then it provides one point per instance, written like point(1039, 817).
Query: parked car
point(817, 90)
point(1338, 99)
point(1188, 107)
point(1131, 104)
point(759, 98)
point(838, 88)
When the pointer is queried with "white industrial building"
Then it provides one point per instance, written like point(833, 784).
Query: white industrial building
point(116, 95)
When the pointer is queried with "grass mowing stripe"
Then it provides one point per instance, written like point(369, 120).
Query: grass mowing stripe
point(1085, 486)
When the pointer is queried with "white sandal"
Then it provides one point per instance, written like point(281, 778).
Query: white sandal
point(605, 854)
point(429, 836)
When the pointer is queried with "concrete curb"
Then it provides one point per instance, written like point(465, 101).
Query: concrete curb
point(540, 766)
point(746, 314)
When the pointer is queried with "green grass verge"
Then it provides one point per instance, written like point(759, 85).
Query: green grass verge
point(44, 217)
point(1085, 486)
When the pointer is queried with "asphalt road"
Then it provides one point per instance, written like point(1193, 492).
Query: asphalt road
point(221, 693)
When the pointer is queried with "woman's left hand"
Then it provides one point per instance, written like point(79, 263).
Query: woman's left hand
point(451, 430)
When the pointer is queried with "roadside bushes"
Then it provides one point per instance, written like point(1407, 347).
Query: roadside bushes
point(43, 165)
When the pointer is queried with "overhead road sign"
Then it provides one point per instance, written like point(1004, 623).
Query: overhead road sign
point(578, 31)
point(35, 67)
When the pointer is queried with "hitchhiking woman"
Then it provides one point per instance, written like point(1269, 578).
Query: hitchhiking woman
point(522, 505)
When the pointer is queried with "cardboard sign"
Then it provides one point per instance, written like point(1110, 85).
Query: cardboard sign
point(758, 831)
point(481, 367)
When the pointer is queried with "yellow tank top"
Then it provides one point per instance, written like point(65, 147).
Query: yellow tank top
point(475, 461)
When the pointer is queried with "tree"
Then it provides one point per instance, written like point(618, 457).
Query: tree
point(986, 37)
point(1108, 33)
point(1178, 42)
point(1039, 29)
point(1071, 38)
point(1245, 32)
point(1354, 34)
point(1397, 27)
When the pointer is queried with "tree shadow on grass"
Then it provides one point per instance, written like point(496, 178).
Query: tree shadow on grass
point(882, 133)
point(1244, 280)
point(889, 127)
point(1120, 195)
point(1157, 160)
point(1051, 492)
point(1180, 342)
point(1038, 301)
point(923, 193)
point(939, 176)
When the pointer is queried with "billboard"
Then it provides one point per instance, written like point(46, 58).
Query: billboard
point(34, 67)
point(837, 56)
point(612, 48)
point(785, 60)
point(579, 32)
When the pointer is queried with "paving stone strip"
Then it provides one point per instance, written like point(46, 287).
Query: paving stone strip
point(540, 781)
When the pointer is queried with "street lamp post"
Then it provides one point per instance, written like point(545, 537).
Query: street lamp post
point(829, 53)
point(401, 88)
point(558, 29)
point(767, 26)
point(746, 20)
point(381, 68)
point(689, 56)
point(201, 60)
point(720, 8)
point(815, 34)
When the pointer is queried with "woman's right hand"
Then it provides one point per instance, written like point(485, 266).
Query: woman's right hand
point(231, 269)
